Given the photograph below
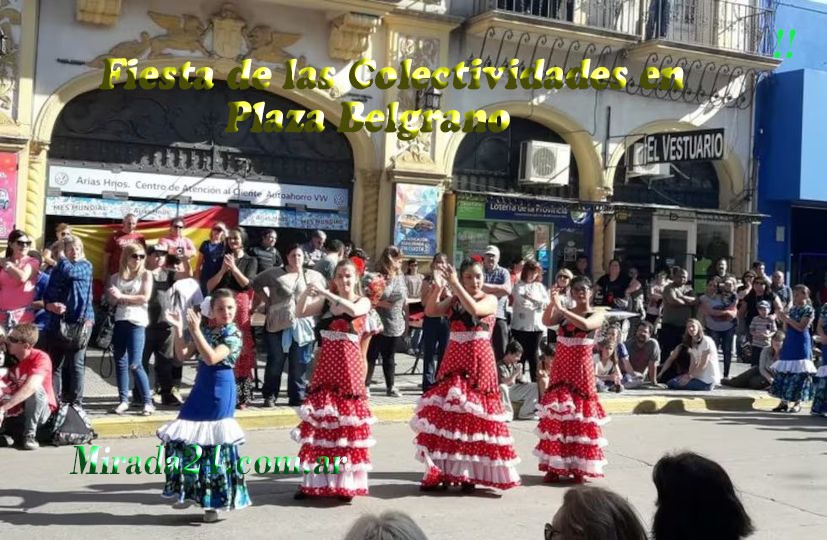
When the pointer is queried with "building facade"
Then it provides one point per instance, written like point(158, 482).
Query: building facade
point(790, 129)
point(555, 184)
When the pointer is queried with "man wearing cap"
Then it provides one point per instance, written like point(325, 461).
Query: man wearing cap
point(176, 243)
point(266, 252)
point(114, 246)
point(314, 250)
point(498, 283)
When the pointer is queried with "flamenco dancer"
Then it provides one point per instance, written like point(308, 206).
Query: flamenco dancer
point(206, 418)
point(794, 368)
point(335, 415)
point(571, 440)
point(462, 436)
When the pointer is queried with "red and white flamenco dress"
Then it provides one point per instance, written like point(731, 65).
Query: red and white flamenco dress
point(336, 418)
point(462, 435)
point(571, 440)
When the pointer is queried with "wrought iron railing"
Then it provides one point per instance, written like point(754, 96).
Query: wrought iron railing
point(735, 25)
point(615, 15)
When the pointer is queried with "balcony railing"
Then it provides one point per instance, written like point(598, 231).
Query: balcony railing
point(616, 15)
point(737, 25)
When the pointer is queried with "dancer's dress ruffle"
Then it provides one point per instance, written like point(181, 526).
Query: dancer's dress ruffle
point(571, 416)
point(820, 386)
point(206, 420)
point(336, 419)
point(462, 436)
point(793, 372)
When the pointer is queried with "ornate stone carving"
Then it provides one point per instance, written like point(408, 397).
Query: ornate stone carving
point(104, 12)
point(226, 35)
point(10, 19)
point(423, 52)
point(350, 35)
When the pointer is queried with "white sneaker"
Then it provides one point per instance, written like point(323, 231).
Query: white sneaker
point(148, 410)
point(181, 505)
point(121, 408)
point(210, 516)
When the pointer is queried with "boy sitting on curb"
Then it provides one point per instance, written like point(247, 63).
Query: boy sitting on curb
point(513, 383)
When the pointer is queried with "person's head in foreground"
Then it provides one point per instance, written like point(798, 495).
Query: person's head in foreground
point(387, 526)
point(594, 513)
point(696, 499)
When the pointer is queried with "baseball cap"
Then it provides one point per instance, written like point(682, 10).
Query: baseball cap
point(492, 250)
point(157, 248)
point(763, 304)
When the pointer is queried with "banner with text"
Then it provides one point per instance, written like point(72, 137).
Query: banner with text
point(70, 179)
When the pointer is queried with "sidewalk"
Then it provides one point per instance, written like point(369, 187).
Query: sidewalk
point(101, 394)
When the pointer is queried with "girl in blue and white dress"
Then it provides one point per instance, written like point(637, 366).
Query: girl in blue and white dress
point(206, 418)
point(820, 379)
point(794, 368)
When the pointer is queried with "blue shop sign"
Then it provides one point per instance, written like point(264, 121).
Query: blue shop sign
point(509, 209)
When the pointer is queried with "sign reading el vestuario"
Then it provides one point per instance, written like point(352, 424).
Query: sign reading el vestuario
point(84, 180)
point(699, 145)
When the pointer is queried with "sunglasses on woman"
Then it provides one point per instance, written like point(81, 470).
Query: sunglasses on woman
point(16, 340)
point(563, 276)
point(24, 242)
point(139, 256)
point(551, 532)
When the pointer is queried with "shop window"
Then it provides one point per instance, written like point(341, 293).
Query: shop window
point(693, 184)
point(491, 161)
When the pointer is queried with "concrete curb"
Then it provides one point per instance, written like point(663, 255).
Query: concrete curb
point(281, 418)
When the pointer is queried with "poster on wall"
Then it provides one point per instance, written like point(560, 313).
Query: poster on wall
point(416, 219)
point(8, 192)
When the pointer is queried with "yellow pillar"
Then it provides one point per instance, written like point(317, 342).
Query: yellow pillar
point(368, 208)
point(35, 209)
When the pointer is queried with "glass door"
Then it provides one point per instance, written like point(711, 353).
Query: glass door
point(673, 243)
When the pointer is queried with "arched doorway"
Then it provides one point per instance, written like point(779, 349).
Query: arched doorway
point(178, 137)
point(660, 221)
point(523, 220)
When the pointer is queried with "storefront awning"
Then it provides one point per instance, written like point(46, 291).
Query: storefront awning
point(683, 212)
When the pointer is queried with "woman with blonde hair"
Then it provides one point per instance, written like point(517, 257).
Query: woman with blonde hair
point(68, 298)
point(129, 291)
point(794, 368)
point(704, 372)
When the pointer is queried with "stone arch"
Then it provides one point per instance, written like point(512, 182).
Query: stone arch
point(582, 145)
point(364, 151)
point(730, 171)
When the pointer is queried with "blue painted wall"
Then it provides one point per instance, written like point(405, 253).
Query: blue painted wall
point(791, 129)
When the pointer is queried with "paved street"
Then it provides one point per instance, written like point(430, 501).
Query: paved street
point(779, 463)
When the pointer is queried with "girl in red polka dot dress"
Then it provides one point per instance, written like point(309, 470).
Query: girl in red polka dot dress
point(462, 436)
point(571, 440)
point(335, 415)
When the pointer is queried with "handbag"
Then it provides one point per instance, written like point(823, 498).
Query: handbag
point(74, 336)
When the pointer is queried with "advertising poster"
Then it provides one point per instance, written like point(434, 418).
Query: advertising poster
point(8, 192)
point(416, 219)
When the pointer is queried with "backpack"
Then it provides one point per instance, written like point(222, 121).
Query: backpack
point(69, 426)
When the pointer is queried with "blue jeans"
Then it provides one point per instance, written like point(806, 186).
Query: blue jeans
point(434, 341)
point(68, 370)
point(693, 384)
point(724, 339)
point(297, 360)
point(128, 349)
point(657, 25)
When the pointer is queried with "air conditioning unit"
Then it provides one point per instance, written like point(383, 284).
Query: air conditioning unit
point(544, 163)
point(637, 168)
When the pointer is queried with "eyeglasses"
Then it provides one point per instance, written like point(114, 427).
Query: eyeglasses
point(138, 256)
point(580, 289)
point(563, 276)
point(551, 532)
point(24, 242)
point(16, 340)
point(177, 226)
point(234, 239)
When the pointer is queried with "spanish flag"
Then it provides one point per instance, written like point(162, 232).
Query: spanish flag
point(197, 229)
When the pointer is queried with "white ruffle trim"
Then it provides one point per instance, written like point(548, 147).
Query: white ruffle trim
point(793, 366)
point(575, 342)
point(481, 472)
point(351, 467)
point(313, 417)
point(600, 443)
point(559, 462)
point(339, 336)
point(464, 406)
point(351, 480)
point(465, 337)
point(421, 425)
point(207, 433)
point(423, 454)
point(328, 443)
point(565, 412)
point(822, 371)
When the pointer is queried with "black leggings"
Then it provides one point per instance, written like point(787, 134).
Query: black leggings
point(531, 344)
point(384, 346)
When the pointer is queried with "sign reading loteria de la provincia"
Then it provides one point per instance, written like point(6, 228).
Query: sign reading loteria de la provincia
point(363, 74)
